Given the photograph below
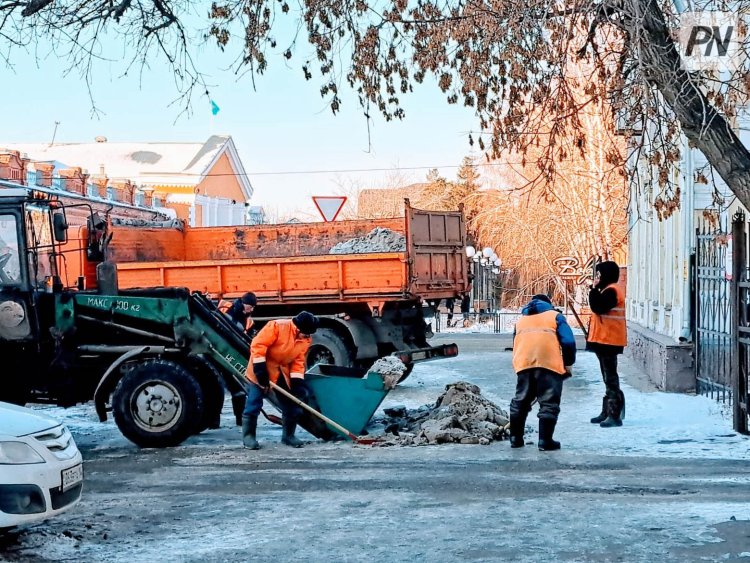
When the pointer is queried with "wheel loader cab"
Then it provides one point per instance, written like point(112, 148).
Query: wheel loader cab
point(28, 261)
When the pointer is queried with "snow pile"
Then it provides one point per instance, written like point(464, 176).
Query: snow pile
point(391, 369)
point(460, 415)
point(377, 240)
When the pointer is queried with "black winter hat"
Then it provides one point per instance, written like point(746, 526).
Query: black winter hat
point(249, 299)
point(542, 297)
point(609, 271)
point(307, 323)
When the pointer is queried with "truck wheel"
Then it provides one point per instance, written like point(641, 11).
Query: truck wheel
point(328, 348)
point(157, 404)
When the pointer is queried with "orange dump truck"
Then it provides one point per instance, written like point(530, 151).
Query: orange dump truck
point(370, 302)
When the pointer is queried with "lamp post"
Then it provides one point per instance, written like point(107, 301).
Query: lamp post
point(475, 271)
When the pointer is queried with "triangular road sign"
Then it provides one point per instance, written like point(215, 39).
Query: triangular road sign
point(329, 206)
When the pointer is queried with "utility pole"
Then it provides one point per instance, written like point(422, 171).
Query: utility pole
point(54, 134)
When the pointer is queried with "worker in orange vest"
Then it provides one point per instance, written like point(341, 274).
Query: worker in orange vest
point(278, 354)
point(240, 311)
point(608, 336)
point(544, 350)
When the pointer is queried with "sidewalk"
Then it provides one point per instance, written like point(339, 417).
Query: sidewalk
point(656, 424)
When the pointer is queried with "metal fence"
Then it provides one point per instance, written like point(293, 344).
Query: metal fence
point(497, 322)
point(713, 339)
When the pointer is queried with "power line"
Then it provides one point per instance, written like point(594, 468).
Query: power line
point(350, 170)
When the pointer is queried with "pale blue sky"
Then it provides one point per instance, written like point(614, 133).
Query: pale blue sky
point(282, 126)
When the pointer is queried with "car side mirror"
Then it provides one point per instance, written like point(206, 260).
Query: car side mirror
point(60, 226)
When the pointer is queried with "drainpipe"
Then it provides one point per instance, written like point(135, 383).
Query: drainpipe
point(688, 214)
point(688, 240)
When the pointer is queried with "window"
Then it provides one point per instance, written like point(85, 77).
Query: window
point(40, 244)
point(10, 266)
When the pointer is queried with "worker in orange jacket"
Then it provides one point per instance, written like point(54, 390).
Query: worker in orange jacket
point(607, 338)
point(544, 349)
point(278, 354)
point(240, 311)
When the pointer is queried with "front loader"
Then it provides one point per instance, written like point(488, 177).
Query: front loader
point(159, 359)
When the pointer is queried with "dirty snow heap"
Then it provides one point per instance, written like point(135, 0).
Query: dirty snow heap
point(460, 415)
point(391, 369)
point(377, 240)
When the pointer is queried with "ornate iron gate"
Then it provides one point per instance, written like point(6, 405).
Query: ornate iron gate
point(713, 332)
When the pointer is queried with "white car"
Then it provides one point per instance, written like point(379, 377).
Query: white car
point(41, 469)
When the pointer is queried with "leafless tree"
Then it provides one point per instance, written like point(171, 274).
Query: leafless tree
point(498, 56)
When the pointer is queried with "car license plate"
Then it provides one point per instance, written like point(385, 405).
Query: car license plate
point(71, 477)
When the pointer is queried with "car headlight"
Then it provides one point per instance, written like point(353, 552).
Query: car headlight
point(12, 453)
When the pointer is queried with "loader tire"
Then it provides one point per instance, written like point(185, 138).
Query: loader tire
point(157, 404)
point(213, 391)
point(329, 348)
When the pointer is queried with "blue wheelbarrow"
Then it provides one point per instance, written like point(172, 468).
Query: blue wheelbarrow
point(342, 403)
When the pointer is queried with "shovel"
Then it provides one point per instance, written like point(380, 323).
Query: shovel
point(353, 437)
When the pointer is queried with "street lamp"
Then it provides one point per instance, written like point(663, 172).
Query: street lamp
point(470, 251)
point(487, 251)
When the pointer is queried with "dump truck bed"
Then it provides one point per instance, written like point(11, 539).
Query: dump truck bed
point(292, 263)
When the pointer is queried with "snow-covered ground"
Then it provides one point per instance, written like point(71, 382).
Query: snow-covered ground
point(670, 486)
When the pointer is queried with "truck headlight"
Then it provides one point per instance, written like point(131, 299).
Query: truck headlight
point(14, 453)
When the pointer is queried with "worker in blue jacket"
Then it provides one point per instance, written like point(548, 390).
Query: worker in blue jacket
point(544, 349)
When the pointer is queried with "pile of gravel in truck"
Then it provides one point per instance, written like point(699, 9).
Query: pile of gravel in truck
point(460, 415)
point(378, 240)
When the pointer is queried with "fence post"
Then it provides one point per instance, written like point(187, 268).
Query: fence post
point(739, 376)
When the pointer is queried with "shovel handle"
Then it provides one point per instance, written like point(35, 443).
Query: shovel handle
point(311, 410)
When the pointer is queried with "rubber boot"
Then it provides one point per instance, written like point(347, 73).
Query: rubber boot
point(517, 424)
point(602, 415)
point(287, 433)
point(613, 419)
point(546, 429)
point(249, 426)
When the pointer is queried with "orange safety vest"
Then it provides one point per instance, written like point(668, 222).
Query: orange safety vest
point(280, 345)
point(611, 327)
point(536, 345)
point(224, 306)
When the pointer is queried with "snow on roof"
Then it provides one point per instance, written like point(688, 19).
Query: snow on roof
point(141, 162)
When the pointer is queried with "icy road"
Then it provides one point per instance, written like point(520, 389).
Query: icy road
point(670, 485)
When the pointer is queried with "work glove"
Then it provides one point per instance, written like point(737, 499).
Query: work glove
point(260, 370)
point(299, 389)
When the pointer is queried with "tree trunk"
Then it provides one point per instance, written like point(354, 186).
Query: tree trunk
point(705, 127)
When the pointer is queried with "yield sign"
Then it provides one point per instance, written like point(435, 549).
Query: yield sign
point(329, 206)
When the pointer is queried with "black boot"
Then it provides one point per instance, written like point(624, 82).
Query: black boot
point(602, 415)
point(288, 427)
point(546, 429)
point(622, 404)
point(613, 419)
point(249, 426)
point(517, 424)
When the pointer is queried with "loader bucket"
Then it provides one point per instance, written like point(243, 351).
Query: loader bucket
point(348, 396)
